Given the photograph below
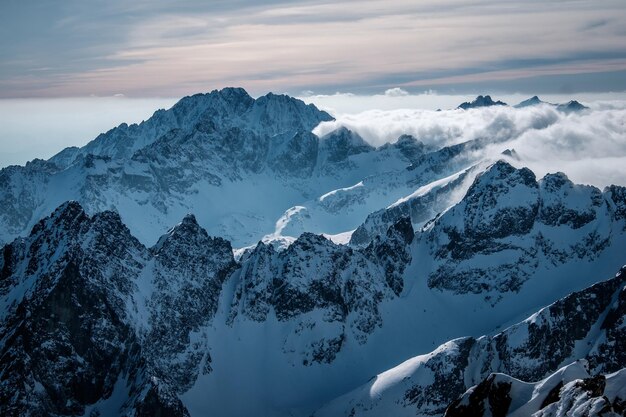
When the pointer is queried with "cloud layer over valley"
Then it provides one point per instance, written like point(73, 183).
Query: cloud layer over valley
point(589, 146)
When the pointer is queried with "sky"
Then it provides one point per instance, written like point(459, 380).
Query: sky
point(159, 48)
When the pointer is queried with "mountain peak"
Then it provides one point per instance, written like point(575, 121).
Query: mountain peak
point(554, 181)
point(69, 208)
point(533, 101)
point(511, 153)
point(343, 142)
point(502, 170)
point(188, 230)
point(407, 139)
point(481, 101)
point(190, 220)
point(231, 92)
point(571, 106)
point(68, 216)
point(502, 201)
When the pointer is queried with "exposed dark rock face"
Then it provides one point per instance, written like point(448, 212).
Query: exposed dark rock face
point(409, 146)
point(73, 327)
point(609, 355)
point(507, 211)
point(553, 396)
point(490, 218)
point(158, 402)
point(65, 342)
point(338, 145)
point(392, 252)
point(189, 269)
point(488, 395)
point(487, 213)
point(592, 396)
point(550, 337)
point(555, 330)
point(481, 101)
point(557, 211)
point(447, 366)
point(347, 285)
point(297, 156)
point(617, 201)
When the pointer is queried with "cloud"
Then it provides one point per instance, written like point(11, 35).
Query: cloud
point(159, 49)
point(590, 147)
point(396, 92)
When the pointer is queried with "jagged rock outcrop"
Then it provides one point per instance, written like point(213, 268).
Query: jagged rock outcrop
point(507, 211)
point(481, 101)
point(533, 101)
point(338, 145)
point(86, 305)
point(314, 276)
point(64, 337)
point(569, 391)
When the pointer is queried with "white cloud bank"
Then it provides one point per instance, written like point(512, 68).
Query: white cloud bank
point(396, 92)
point(590, 146)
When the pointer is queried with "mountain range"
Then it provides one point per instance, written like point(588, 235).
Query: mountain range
point(221, 259)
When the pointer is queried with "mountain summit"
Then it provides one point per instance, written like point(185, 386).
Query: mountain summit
point(481, 101)
point(533, 101)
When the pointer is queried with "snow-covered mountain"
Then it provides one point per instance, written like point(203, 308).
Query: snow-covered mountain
point(183, 326)
point(218, 155)
point(468, 271)
point(189, 158)
point(571, 106)
point(481, 101)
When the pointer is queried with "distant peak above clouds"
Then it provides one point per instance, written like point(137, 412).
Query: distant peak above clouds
point(481, 101)
point(571, 106)
point(533, 101)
